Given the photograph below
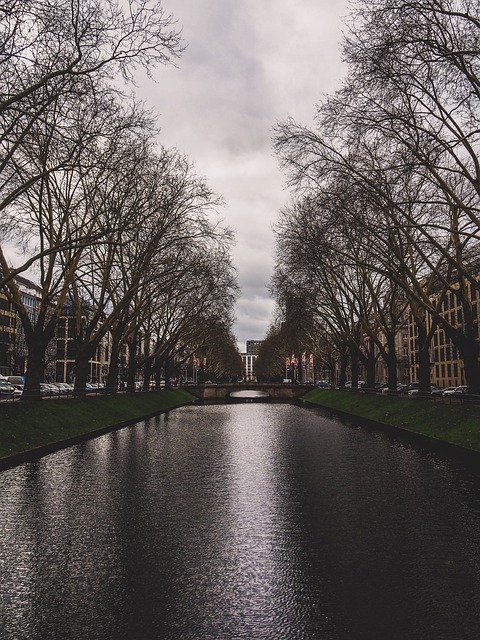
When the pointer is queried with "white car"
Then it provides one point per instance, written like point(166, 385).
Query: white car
point(17, 390)
point(6, 389)
point(455, 391)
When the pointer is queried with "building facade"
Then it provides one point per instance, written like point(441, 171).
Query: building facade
point(403, 359)
point(253, 346)
point(66, 351)
point(7, 336)
point(248, 367)
point(446, 367)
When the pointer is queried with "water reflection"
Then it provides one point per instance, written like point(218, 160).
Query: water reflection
point(249, 393)
point(240, 521)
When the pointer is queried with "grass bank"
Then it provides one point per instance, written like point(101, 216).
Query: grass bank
point(457, 424)
point(35, 426)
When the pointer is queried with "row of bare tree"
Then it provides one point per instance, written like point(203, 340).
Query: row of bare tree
point(116, 228)
point(385, 218)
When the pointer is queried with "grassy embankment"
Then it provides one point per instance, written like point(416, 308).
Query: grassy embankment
point(454, 423)
point(25, 426)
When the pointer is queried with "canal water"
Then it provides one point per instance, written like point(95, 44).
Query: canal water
point(240, 521)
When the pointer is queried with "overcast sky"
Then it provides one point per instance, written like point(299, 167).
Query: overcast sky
point(249, 64)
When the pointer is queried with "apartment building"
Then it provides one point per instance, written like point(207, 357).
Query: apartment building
point(402, 354)
point(248, 366)
point(7, 336)
point(446, 367)
point(66, 351)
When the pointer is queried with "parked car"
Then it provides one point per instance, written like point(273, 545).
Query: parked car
point(361, 383)
point(64, 387)
point(322, 384)
point(6, 389)
point(448, 390)
point(401, 388)
point(415, 391)
point(455, 391)
point(56, 387)
point(18, 390)
point(437, 391)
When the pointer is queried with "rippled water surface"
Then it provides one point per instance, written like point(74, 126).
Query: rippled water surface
point(240, 521)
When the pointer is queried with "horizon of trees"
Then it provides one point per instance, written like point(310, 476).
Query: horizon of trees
point(115, 227)
point(384, 221)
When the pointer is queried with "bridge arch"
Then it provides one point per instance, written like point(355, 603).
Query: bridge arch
point(249, 393)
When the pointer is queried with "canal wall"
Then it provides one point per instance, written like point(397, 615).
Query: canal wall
point(30, 430)
point(452, 428)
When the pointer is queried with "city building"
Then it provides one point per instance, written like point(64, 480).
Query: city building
point(60, 353)
point(248, 366)
point(402, 354)
point(66, 351)
point(446, 367)
point(253, 346)
point(7, 336)
point(13, 346)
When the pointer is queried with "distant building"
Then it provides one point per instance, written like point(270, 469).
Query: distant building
point(446, 366)
point(248, 366)
point(7, 336)
point(248, 359)
point(402, 355)
point(13, 346)
point(253, 346)
point(67, 349)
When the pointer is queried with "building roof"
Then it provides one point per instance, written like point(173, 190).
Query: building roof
point(29, 284)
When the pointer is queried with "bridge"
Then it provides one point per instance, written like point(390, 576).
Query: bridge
point(222, 391)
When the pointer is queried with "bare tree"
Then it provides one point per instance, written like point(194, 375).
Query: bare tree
point(58, 211)
point(58, 52)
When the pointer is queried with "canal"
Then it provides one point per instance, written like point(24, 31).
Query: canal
point(240, 521)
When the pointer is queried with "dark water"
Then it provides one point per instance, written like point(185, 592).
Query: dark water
point(242, 521)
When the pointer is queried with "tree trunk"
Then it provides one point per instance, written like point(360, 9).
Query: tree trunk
point(132, 363)
point(370, 371)
point(147, 374)
point(368, 361)
point(331, 369)
point(354, 367)
point(158, 373)
point(343, 369)
point(113, 369)
point(35, 370)
point(423, 355)
point(391, 362)
point(82, 369)
point(168, 369)
point(469, 352)
point(37, 343)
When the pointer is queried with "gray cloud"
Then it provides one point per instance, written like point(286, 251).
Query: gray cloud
point(248, 64)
